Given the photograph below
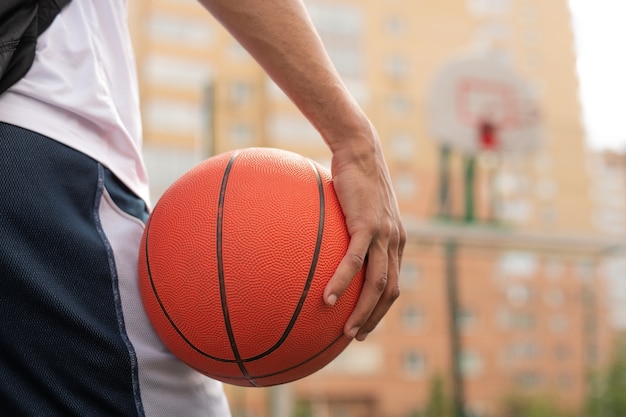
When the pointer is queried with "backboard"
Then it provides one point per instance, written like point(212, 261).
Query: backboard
point(477, 104)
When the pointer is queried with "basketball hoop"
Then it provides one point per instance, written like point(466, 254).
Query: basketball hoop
point(478, 104)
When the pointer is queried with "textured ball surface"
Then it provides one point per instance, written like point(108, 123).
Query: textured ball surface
point(233, 264)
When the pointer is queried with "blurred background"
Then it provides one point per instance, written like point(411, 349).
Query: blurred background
point(502, 124)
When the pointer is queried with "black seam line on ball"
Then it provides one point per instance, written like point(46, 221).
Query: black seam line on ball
point(160, 302)
point(154, 289)
point(321, 352)
point(311, 273)
point(320, 231)
point(220, 269)
point(307, 286)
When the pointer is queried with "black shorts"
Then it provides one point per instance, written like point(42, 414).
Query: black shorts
point(74, 338)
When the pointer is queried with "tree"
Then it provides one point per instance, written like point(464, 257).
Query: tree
point(519, 405)
point(607, 396)
point(439, 403)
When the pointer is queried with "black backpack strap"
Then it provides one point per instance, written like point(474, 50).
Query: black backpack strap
point(22, 22)
point(48, 11)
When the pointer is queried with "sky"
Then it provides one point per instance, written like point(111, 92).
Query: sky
point(600, 33)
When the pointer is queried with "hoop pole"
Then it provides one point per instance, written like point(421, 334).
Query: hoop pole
point(454, 332)
point(444, 181)
point(469, 180)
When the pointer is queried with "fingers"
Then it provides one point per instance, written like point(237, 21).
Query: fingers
point(380, 288)
point(374, 286)
point(349, 266)
point(365, 192)
point(388, 296)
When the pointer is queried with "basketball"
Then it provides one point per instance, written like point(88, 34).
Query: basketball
point(233, 263)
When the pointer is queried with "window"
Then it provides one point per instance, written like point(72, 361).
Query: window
point(478, 409)
point(614, 271)
point(274, 90)
point(358, 359)
point(173, 117)
point(563, 352)
point(546, 189)
point(241, 135)
point(399, 105)
point(412, 318)
point(340, 411)
point(465, 319)
point(165, 164)
point(237, 53)
point(178, 2)
point(549, 215)
point(240, 92)
point(507, 184)
point(531, 38)
point(395, 26)
point(409, 274)
point(558, 323)
point(543, 162)
point(610, 220)
point(515, 210)
point(518, 264)
point(488, 7)
point(554, 297)
point(554, 268)
point(405, 185)
point(179, 30)
point(414, 363)
point(514, 320)
point(402, 146)
point(397, 67)
point(585, 270)
point(340, 27)
point(471, 363)
point(618, 315)
point(176, 72)
point(564, 382)
point(523, 350)
point(518, 294)
point(285, 129)
point(528, 379)
point(522, 321)
point(490, 34)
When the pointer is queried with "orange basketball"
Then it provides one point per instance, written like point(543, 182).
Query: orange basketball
point(233, 264)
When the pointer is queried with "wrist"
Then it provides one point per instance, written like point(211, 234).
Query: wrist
point(349, 130)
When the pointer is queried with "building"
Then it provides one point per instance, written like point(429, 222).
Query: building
point(608, 176)
point(527, 312)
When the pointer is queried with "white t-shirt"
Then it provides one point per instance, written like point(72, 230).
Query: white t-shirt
point(82, 89)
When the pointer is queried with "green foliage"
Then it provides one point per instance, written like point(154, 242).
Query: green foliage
point(303, 409)
point(607, 396)
point(519, 405)
point(439, 403)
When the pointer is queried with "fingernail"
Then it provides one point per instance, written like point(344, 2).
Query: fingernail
point(332, 299)
point(362, 336)
point(353, 332)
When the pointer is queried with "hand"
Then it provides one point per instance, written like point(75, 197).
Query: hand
point(363, 186)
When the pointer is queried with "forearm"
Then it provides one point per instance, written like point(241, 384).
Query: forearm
point(281, 37)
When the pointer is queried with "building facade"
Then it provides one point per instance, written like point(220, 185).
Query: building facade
point(509, 302)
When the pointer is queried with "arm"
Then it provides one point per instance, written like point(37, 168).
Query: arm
point(281, 37)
